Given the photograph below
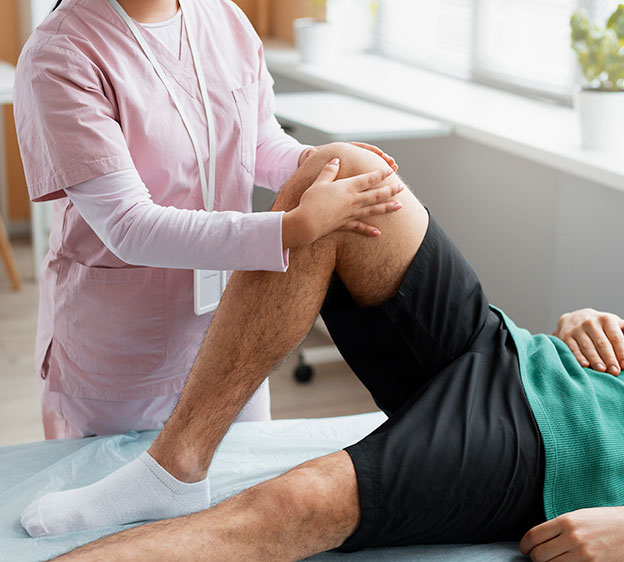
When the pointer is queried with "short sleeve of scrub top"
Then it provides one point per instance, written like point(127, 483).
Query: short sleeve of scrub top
point(78, 136)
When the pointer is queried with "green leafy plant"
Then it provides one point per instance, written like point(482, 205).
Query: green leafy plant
point(319, 8)
point(600, 49)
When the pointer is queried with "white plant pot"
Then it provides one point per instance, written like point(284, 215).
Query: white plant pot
point(315, 40)
point(602, 120)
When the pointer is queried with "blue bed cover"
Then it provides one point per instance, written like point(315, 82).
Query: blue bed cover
point(251, 453)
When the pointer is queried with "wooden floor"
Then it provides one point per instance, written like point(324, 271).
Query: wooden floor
point(334, 390)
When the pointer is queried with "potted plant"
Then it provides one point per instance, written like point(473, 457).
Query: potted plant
point(317, 39)
point(600, 102)
point(314, 35)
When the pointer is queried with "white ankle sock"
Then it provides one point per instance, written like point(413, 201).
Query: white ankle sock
point(140, 491)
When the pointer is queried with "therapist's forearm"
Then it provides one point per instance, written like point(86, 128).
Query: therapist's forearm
point(119, 209)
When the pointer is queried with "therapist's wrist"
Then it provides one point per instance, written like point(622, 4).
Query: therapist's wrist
point(306, 154)
point(297, 229)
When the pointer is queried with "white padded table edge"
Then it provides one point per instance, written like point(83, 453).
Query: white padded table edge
point(346, 118)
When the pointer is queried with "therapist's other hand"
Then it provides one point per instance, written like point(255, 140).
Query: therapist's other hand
point(306, 154)
point(595, 338)
point(586, 535)
point(330, 204)
point(389, 160)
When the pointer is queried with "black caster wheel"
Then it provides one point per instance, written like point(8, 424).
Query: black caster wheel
point(303, 373)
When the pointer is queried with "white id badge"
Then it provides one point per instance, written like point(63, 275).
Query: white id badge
point(209, 286)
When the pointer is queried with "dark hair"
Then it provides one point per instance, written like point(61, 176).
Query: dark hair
point(58, 3)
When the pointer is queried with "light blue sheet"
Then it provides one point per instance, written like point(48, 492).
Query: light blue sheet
point(251, 453)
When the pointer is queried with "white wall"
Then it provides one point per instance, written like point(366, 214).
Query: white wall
point(543, 242)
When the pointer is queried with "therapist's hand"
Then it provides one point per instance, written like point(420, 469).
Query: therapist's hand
point(595, 338)
point(330, 204)
point(586, 535)
point(389, 160)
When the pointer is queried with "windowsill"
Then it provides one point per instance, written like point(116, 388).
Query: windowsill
point(532, 129)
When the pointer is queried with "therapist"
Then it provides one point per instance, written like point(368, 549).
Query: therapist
point(148, 122)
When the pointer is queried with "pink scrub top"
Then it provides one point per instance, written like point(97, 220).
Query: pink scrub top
point(89, 103)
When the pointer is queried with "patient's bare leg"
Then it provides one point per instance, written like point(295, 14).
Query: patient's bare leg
point(263, 316)
point(310, 509)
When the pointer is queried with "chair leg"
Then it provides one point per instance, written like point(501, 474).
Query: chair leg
point(9, 259)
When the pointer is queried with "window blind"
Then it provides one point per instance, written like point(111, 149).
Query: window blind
point(525, 43)
point(434, 34)
point(522, 45)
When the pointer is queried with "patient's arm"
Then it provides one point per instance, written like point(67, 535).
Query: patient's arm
point(586, 535)
point(595, 338)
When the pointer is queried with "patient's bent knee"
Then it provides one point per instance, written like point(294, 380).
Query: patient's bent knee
point(353, 161)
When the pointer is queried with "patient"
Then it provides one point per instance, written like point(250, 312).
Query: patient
point(491, 431)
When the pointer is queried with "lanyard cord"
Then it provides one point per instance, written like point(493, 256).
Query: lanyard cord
point(212, 163)
point(208, 186)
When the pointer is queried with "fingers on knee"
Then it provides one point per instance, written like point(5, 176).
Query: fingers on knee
point(343, 150)
point(354, 160)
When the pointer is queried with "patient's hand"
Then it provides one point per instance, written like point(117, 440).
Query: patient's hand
point(586, 535)
point(595, 338)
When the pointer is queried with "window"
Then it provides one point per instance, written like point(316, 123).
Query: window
point(522, 45)
point(39, 10)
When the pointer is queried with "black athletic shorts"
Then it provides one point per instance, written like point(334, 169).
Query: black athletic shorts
point(460, 459)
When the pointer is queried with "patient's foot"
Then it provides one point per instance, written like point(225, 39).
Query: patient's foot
point(139, 491)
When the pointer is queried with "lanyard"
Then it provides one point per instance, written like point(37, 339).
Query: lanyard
point(208, 186)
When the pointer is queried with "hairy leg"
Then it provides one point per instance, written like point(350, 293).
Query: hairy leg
point(312, 508)
point(263, 316)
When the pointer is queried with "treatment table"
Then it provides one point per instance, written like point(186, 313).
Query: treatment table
point(250, 453)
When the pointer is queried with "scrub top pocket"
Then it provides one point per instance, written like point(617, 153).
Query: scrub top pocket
point(113, 323)
point(246, 99)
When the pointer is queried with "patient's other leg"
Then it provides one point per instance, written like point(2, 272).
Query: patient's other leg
point(263, 316)
point(310, 509)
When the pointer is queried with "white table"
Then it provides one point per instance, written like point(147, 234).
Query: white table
point(331, 117)
point(322, 117)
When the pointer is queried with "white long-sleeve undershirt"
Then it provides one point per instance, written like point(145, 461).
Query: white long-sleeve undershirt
point(120, 210)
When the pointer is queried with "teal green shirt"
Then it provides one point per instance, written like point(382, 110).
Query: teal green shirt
point(580, 414)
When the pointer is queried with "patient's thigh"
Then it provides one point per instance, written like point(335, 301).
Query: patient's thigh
point(460, 461)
